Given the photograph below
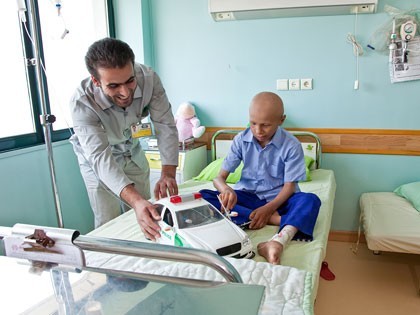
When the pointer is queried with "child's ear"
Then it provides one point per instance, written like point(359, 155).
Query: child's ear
point(282, 119)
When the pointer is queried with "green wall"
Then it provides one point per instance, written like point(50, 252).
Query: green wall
point(26, 191)
point(132, 25)
point(219, 66)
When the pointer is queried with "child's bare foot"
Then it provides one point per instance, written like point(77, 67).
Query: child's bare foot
point(271, 251)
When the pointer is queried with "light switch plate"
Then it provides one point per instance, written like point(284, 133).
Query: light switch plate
point(294, 84)
point(282, 84)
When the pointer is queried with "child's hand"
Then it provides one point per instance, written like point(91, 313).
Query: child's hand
point(260, 217)
point(228, 198)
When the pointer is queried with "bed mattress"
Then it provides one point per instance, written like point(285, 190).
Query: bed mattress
point(390, 223)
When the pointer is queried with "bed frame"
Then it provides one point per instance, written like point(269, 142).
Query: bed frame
point(311, 144)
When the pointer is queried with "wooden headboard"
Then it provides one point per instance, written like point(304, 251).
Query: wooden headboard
point(353, 141)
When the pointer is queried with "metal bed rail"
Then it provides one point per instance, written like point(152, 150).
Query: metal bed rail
point(161, 252)
point(217, 134)
point(56, 240)
point(315, 138)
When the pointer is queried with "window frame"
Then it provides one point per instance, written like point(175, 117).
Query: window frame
point(37, 138)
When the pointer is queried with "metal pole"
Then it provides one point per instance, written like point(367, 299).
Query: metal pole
point(46, 119)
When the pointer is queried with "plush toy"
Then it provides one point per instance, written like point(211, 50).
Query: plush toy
point(187, 123)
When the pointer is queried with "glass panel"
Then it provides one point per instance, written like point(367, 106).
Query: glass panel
point(197, 216)
point(66, 34)
point(64, 292)
point(16, 117)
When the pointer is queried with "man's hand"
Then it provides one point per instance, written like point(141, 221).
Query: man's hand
point(146, 213)
point(166, 183)
point(147, 216)
point(259, 217)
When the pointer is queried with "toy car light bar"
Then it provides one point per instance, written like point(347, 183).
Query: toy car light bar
point(185, 197)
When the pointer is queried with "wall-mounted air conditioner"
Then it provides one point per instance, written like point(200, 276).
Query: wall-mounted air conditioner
point(228, 10)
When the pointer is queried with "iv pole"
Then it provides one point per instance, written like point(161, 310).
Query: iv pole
point(46, 119)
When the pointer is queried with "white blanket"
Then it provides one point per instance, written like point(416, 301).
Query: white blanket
point(288, 290)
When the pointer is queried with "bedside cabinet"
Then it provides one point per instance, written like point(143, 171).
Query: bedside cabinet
point(190, 163)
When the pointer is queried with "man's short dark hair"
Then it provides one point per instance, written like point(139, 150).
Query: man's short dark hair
point(108, 53)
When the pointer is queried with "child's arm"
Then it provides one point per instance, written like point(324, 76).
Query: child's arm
point(261, 215)
point(227, 194)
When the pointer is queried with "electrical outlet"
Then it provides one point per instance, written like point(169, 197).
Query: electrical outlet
point(294, 84)
point(306, 84)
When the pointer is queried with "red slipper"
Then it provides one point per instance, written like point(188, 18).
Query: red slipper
point(326, 273)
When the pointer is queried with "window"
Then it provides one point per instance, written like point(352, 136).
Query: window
point(65, 31)
point(17, 116)
point(167, 218)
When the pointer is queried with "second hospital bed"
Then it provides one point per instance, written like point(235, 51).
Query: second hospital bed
point(290, 287)
point(390, 223)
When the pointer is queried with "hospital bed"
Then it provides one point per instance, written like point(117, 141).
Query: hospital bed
point(291, 287)
point(390, 223)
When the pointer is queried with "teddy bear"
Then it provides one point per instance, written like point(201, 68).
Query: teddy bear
point(187, 123)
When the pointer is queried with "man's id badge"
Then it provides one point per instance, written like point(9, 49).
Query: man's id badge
point(139, 130)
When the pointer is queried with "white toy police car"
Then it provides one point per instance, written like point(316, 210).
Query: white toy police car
point(190, 221)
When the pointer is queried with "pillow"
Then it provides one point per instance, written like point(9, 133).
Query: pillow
point(308, 163)
point(212, 170)
point(411, 192)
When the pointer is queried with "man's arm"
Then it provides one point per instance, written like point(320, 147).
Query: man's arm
point(146, 213)
point(167, 134)
point(261, 215)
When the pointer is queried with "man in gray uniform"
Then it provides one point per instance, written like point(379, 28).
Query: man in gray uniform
point(107, 109)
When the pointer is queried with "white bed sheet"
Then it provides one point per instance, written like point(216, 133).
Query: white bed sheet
point(390, 223)
point(291, 287)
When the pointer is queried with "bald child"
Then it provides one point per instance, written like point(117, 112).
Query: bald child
point(268, 191)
